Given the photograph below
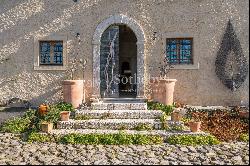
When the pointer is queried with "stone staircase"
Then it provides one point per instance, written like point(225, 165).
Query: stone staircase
point(131, 117)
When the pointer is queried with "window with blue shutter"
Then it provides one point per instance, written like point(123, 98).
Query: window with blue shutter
point(179, 50)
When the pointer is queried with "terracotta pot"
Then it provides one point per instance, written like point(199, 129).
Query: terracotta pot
point(195, 126)
point(244, 114)
point(163, 91)
point(65, 115)
point(73, 92)
point(176, 116)
point(43, 109)
point(46, 127)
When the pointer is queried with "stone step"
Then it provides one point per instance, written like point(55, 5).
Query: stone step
point(119, 106)
point(162, 133)
point(116, 124)
point(123, 100)
point(118, 114)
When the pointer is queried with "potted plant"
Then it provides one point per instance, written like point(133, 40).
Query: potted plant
point(176, 116)
point(195, 123)
point(244, 114)
point(46, 126)
point(65, 115)
point(43, 109)
point(195, 126)
point(73, 88)
point(242, 111)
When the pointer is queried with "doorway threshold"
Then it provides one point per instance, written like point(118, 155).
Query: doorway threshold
point(123, 100)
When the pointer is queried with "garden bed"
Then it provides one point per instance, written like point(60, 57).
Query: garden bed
point(226, 125)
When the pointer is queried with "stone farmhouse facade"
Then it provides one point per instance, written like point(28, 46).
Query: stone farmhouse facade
point(39, 39)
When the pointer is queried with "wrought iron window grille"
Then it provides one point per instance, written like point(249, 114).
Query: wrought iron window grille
point(179, 50)
point(51, 52)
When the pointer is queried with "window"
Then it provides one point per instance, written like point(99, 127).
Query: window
point(51, 52)
point(179, 50)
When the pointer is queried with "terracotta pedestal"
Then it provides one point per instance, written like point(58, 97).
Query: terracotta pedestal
point(46, 127)
point(163, 91)
point(65, 115)
point(73, 92)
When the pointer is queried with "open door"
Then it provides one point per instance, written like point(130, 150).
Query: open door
point(109, 63)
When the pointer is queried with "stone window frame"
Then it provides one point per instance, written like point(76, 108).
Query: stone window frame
point(52, 37)
point(195, 51)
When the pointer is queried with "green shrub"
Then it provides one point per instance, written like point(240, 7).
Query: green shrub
point(244, 137)
point(53, 114)
point(97, 139)
point(54, 111)
point(123, 139)
point(106, 115)
point(168, 109)
point(34, 118)
point(164, 123)
point(193, 140)
point(186, 119)
point(123, 127)
point(31, 120)
point(65, 107)
point(142, 127)
point(177, 127)
point(16, 125)
point(37, 137)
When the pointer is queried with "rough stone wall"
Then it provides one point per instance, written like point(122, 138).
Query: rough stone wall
point(205, 20)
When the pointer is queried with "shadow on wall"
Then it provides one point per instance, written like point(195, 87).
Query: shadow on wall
point(52, 93)
point(24, 11)
point(53, 96)
point(54, 26)
point(19, 13)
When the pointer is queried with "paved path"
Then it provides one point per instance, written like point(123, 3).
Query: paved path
point(14, 151)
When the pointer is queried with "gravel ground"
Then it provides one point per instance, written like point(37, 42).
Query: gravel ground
point(7, 113)
point(14, 151)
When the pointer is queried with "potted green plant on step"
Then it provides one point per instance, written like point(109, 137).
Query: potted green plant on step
point(65, 115)
point(195, 123)
point(176, 116)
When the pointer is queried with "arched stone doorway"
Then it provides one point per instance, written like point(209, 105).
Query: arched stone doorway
point(136, 28)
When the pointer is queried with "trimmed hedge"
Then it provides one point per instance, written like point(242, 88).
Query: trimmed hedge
point(97, 139)
point(193, 140)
